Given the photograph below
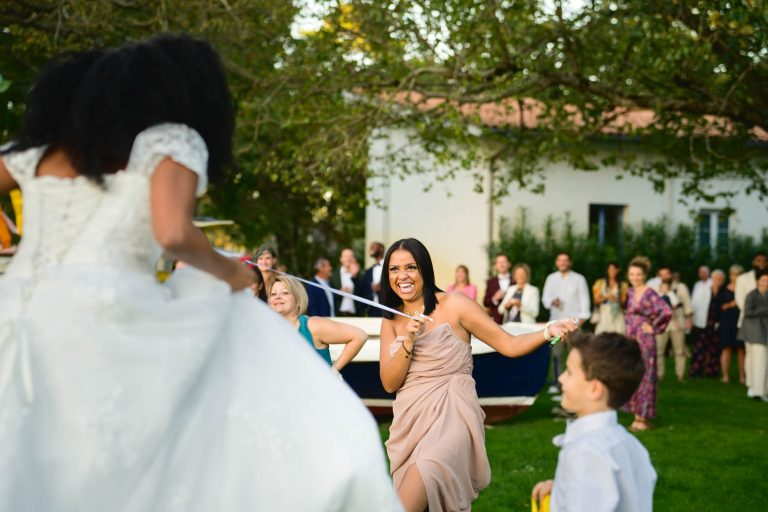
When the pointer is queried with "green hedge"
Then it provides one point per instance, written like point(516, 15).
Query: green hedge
point(676, 248)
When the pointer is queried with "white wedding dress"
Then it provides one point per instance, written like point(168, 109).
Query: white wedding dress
point(119, 393)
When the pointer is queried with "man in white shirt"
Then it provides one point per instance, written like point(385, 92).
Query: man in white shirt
point(349, 280)
point(745, 284)
point(372, 279)
point(565, 295)
point(700, 297)
point(601, 467)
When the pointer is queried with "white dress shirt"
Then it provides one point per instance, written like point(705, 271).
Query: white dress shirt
point(601, 467)
point(702, 294)
point(347, 305)
point(573, 293)
point(376, 277)
point(504, 281)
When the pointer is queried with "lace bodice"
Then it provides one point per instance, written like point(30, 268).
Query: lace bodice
point(74, 221)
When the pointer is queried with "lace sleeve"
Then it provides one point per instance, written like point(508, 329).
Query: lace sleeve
point(179, 142)
point(22, 164)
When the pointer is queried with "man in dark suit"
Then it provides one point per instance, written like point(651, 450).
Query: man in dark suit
point(348, 279)
point(372, 279)
point(496, 287)
point(321, 300)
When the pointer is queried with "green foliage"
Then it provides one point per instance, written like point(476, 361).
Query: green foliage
point(555, 82)
point(301, 144)
point(560, 83)
point(676, 248)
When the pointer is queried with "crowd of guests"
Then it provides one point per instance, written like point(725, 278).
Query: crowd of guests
point(722, 318)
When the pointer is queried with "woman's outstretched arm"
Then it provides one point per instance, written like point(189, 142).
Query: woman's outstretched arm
point(479, 324)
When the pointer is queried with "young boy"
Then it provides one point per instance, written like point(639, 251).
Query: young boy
point(601, 466)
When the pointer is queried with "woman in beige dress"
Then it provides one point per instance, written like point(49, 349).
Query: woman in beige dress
point(436, 445)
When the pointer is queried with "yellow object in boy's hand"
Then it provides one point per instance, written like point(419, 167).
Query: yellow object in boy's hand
point(542, 507)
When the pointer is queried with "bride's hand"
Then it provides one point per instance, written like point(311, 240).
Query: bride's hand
point(238, 275)
point(561, 328)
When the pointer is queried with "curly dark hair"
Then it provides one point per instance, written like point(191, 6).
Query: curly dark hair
point(92, 104)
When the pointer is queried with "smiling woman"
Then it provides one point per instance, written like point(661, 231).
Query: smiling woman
point(289, 299)
point(436, 445)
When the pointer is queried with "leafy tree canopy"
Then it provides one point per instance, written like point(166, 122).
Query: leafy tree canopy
point(585, 82)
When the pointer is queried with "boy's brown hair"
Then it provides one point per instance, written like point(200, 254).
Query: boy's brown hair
point(614, 360)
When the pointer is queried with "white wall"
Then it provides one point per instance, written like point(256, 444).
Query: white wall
point(453, 221)
point(450, 218)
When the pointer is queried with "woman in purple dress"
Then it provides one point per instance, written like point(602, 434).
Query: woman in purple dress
point(647, 315)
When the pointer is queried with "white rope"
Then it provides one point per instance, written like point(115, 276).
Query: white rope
point(339, 292)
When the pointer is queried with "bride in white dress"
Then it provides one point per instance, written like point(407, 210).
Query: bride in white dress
point(116, 392)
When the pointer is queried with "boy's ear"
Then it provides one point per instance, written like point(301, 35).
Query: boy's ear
point(598, 391)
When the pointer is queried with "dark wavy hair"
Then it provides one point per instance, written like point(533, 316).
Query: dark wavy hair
point(424, 262)
point(91, 105)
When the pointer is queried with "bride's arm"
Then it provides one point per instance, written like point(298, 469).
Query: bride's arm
point(478, 323)
point(7, 183)
point(173, 205)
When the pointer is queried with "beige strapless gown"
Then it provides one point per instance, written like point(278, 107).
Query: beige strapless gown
point(438, 422)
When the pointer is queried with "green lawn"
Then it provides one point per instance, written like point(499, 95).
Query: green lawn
point(709, 448)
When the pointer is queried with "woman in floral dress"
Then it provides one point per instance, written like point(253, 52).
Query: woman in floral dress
point(647, 315)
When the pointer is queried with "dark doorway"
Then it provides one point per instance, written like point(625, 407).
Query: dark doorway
point(606, 222)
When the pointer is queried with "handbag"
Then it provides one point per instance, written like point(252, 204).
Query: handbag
point(544, 504)
point(595, 318)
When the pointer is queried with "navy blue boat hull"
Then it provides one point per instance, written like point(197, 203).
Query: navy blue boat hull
point(505, 386)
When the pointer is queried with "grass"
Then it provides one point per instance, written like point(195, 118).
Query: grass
point(709, 448)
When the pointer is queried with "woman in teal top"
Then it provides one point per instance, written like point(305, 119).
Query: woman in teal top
point(289, 299)
point(325, 352)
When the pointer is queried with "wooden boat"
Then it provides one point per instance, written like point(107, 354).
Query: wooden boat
point(505, 387)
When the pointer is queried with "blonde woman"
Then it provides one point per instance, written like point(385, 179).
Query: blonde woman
point(289, 299)
point(521, 300)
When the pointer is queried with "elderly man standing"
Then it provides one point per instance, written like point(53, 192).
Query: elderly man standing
point(745, 284)
point(565, 295)
point(321, 299)
point(700, 297)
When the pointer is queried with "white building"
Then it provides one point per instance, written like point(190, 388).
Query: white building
point(457, 224)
